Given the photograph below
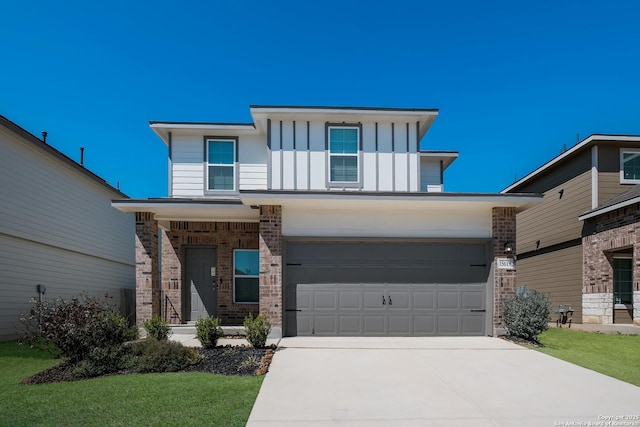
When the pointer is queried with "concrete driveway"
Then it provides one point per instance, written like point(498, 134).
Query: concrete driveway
point(434, 382)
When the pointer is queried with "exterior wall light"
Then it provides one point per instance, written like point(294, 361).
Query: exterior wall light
point(509, 247)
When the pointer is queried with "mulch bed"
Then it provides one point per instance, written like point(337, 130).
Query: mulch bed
point(225, 360)
point(521, 341)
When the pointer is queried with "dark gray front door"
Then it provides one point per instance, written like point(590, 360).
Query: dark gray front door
point(202, 288)
point(386, 289)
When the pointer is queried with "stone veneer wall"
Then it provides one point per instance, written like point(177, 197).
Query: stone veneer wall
point(616, 230)
point(147, 275)
point(504, 281)
point(271, 266)
point(225, 237)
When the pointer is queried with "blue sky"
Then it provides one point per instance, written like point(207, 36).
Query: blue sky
point(514, 81)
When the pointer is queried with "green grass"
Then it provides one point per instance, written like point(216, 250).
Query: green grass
point(613, 355)
point(121, 400)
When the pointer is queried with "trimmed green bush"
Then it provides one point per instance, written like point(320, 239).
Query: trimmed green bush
point(162, 356)
point(257, 329)
point(208, 331)
point(103, 361)
point(157, 328)
point(526, 315)
point(75, 328)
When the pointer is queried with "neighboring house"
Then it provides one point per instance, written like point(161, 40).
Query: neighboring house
point(59, 235)
point(329, 220)
point(579, 244)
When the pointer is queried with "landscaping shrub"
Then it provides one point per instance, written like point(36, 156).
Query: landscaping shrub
point(208, 331)
point(162, 356)
point(527, 314)
point(103, 361)
point(157, 328)
point(257, 328)
point(74, 328)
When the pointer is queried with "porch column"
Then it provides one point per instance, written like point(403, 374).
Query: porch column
point(147, 283)
point(503, 222)
point(271, 267)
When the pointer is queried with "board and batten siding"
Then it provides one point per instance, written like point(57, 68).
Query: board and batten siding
point(557, 273)
point(299, 156)
point(188, 164)
point(57, 228)
point(430, 175)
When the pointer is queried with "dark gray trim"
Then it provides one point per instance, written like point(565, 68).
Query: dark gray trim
point(281, 155)
point(11, 126)
point(443, 152)
point(269, 155)
point(328, 182)
point(441, 173)
point(181, 200)
point(236, 166)
point(295, 159)
point(407, 137)
point(552, 248)
point(252, 125)
point(324, 107)
point(393, 156)
point(417, 136)
point(308, 157)
point(402, 194)
point(170, 149)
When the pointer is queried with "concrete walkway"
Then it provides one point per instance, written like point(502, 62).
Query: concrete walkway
point(432, 382)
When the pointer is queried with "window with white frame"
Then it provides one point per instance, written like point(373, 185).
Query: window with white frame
point(221, 156)
point(344, 144)
point(630, 166)
point(246, 276)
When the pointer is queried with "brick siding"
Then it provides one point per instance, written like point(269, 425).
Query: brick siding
point(271, 266)
point(504, 281)
point(147, 283)
point(613, 231)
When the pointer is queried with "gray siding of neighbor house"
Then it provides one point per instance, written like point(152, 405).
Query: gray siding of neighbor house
point(57, 228)
point(558, 273)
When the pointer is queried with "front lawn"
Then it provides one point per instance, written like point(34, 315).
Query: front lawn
point(190, 398)
point(613, 355)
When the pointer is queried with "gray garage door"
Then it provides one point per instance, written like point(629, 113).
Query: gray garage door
point(386, 288)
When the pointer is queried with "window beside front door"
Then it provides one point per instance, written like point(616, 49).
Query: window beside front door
point(246, 276)
point(221, 155)
point(344, 143)
point(623, 281)
point(629, 166)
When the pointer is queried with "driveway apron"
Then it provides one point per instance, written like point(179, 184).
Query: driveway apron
point(439, 381)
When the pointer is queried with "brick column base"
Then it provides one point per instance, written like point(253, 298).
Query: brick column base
point(147, 275)
point(504, 281)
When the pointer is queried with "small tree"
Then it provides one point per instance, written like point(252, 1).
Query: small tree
point(208, 331)
point(527, 314)
point(257, 329)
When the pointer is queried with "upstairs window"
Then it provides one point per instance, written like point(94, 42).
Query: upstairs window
point(221, 155)
point(343, 144)
point(246, 276)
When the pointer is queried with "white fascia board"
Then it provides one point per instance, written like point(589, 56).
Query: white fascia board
point(192, 211)
point(609, 208)
point(162, 129)
point(447, 157)
point(569, 152)
point(433, 199)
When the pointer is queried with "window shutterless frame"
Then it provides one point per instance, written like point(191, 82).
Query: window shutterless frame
point(246, 276)
point(344, 148)
point(220, 159)
point(630, 166)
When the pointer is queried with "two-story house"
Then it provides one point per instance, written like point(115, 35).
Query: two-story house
point(580, 244)
point(329, 220)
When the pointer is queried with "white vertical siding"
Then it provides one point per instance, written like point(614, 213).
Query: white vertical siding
point(318, 169)
point(188, 170)
point(302, 156)
point(369, 165)
point(57, 228)
point(288, 164)
point(385, 157)
point(276, 155)
point(414, 159)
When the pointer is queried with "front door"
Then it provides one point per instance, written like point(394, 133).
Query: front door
point(202, 286)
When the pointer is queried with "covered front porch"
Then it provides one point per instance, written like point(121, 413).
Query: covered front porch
point(197, 258)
